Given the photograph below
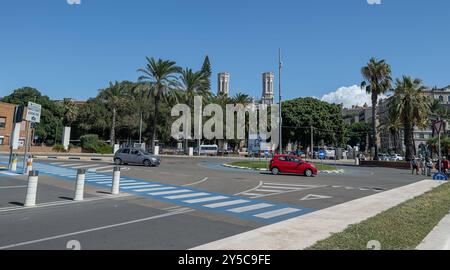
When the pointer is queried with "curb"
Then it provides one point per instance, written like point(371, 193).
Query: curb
point(439, 237)
point(304, 231)
point(340, 171)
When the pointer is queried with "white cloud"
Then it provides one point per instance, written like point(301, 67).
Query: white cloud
point(374, 2)
point(349, 96)
point(74, 2)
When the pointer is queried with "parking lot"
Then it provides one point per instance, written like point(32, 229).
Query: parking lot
point(179, 205)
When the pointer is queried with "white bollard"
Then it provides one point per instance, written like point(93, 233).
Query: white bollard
point(14, 164)
point(79, 186)
point(29, 166)
point(30, 199)
point(357, 161)
point(116, 181)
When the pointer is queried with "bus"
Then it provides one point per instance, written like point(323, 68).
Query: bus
point(209, 150)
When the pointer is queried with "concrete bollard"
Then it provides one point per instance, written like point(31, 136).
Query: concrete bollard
point(79, 186)
point(14, 163)
point(29, 166)
point(357, 161)
point(116, 181)
point(30, 199)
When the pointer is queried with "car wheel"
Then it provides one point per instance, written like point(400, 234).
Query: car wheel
point(147, 163)
point(275, 171)
point(118, 161)
point(308, 173)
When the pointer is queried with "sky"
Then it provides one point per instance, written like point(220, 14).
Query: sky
point(72, 50)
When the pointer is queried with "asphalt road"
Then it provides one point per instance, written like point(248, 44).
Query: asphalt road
point(179, 205)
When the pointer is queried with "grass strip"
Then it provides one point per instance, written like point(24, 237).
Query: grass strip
point(400, 228)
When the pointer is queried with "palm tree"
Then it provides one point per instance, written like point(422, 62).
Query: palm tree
point(141, 98)
point(161, 79)
point(377, 75)
point(193, 84)
point(113, 97)
point(241, 98)
point(393, 126)
point(412, 107)
point(70, 112)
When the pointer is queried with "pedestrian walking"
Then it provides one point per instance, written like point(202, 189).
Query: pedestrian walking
point(429, 165)
point(445, 165)
point(414, 165)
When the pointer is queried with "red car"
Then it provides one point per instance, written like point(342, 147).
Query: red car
point(291, 164)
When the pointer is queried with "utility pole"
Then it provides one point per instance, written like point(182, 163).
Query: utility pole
point(280, 67)
point(312, 142)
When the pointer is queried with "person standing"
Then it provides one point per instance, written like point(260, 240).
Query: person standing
point(414, 165)
point(445, 165)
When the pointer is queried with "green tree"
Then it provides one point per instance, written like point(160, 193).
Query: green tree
point(357, 134)
point(377, 75)
point(70, 111)
point(51, 116)
point(207, 72)
point(412, 107)
point(113, 98)
point(161, 78)
point(302, 113)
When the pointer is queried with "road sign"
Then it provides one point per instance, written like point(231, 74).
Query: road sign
point(440, 176)
point(322, 154)
point(33, 113)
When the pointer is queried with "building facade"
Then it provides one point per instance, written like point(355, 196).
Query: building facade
point(420, 136)
point(268, 79)
point(6, 126)
point(223, 83)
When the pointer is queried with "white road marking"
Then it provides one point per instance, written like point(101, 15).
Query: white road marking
point(268, 190)
point(93, 229)
point(277, 213)
point(282, 187)
point(186, 196)
point(68, 165)
point(11, 187)
point(250, 208)
point(154, 189)
point(311, 197)
point(196, 183)
point(250, 190)
point(101, 168)
point(85, 166)
point(207, 199)
point(223, 204)
point(142, 186)
point(170, 192)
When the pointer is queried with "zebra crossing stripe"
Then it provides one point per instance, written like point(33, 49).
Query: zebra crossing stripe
point(277, 213)
point(186, 196)
point(208, 199)
point(281, 187)
point(154, 189)
point(142, 186)
point(85, 166)
point(68, 165)
point(250, 208)
point(267, 190)
point(170, 192)
point(223, 204)
point(101, 168)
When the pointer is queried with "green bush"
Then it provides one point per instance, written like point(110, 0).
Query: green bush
point(104, 148)
point(59, 148)
point(91, 143)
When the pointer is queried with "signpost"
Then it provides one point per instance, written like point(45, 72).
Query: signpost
point(33, 116)
point(322, 155)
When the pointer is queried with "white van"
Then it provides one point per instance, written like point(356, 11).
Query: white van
point(209, 150)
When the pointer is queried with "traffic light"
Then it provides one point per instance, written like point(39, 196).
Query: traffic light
point(18, 118)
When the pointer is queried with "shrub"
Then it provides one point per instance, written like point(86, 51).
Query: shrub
point(91, 143)
point(59, 148)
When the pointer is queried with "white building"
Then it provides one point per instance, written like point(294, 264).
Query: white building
point(223, 84)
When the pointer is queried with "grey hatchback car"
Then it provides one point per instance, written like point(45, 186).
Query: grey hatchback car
point(136, 156)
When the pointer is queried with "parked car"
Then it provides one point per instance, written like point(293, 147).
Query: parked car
point(136, 156)
point(396, 157)
point(383, 157)
point(291, 164)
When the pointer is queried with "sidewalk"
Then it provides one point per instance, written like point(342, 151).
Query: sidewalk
point(304, 231)
point(439, 238)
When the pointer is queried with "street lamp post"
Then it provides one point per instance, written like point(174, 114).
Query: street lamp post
point(280, 67)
